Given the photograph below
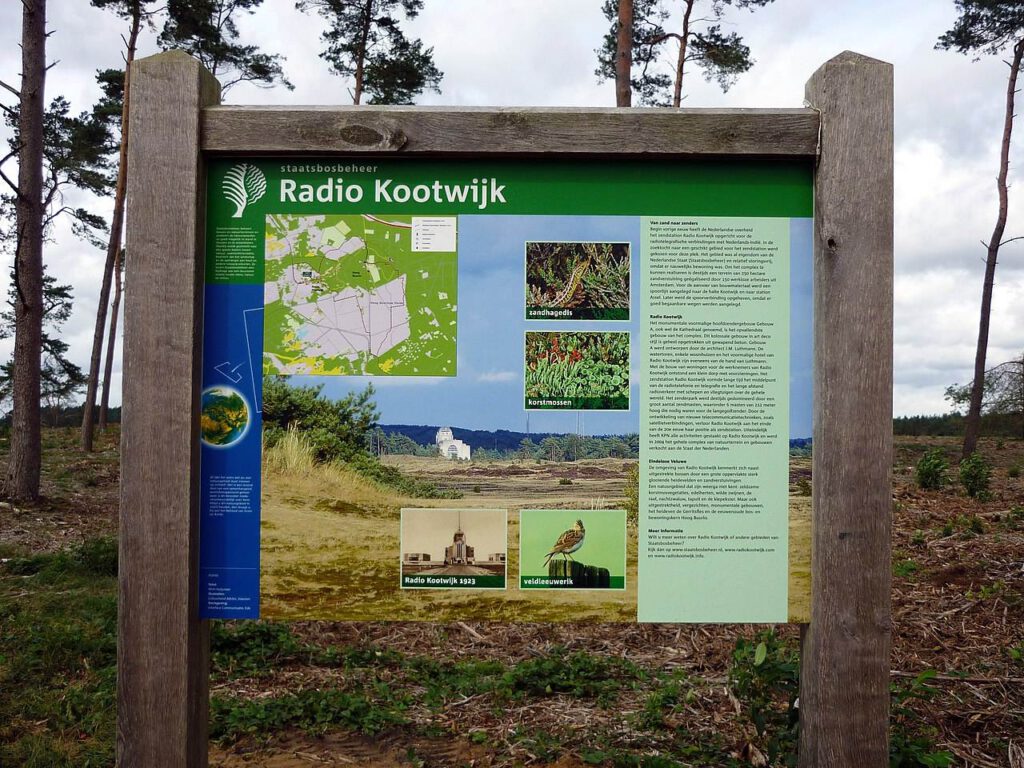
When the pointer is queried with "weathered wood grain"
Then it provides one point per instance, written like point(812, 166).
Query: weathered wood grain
point(510, 131)
point(844, 696)
point(163, 648)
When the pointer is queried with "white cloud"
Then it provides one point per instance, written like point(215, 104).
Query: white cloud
point(497, 377)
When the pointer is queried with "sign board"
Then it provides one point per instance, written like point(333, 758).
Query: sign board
point(689, 180)
point(536, 334)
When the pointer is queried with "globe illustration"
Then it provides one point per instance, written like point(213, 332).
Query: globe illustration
point(224, 418)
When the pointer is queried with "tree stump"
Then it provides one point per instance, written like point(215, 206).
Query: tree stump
point(587, 576)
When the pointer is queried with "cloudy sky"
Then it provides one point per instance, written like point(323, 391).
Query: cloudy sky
point(538, 52)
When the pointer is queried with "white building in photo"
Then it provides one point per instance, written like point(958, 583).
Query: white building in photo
point(449, 447)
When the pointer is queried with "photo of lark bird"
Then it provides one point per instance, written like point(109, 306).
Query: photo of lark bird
point(580, 548)
point(567, 543)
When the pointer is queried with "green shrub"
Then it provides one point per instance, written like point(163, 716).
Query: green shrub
point(97, 556)
point(301, 422)
point(580, 674)
point(765, 678)
point(368, 466)
point(905, 568)
point(911, 739)
point(1014, 471)
point(1016, 654)
point(932, 470)
point(564, 481)
point(252, 647)
point(968, 526)
point(1014, 519)
point(975, 476)
point(334, 429)
point(369, 711)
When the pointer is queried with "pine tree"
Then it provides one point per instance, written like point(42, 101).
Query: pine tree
point(74, 154)
point(60, 379)
point(989, 26)
point(25, 464)
point(208, 30)
point(722, 56)
point(1003, 391)
point(112, 111)
point(365, 42)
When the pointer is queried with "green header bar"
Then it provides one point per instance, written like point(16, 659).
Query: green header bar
point(766, 187)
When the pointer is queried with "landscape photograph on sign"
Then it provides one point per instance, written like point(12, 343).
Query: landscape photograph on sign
point(422, 448)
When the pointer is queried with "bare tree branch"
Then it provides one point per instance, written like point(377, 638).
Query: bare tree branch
point(11, 154)
point(10, 183)
point(655, 39)
point(7, 87)
point(48, 220)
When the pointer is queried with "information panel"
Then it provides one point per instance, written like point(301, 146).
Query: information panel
point(540, 390)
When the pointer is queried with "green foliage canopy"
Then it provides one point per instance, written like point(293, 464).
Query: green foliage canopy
point(208, 30)
point(76, 153)
point(60, 379)
point(985, 26)
point(364, 41)
point(722, 56)
point(335, 428)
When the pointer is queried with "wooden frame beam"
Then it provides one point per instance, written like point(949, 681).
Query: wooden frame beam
point(460, 132)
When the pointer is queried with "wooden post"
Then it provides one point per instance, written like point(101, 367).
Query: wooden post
point(587, 576)
point(163, 648)
point(844, 696)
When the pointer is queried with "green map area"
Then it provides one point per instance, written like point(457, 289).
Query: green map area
point(360, 294)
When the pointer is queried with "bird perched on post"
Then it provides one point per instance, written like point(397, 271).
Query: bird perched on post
point(568, 543)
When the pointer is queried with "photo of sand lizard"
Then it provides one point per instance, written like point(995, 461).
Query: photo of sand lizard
point(577, 280)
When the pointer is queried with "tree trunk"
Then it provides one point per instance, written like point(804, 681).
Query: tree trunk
point(26, 450)
point(684, 39)
point(972, 426)
point(357, 93)
point(624, 55)
point(113, 249)
point(108, 368)
point(1020, 395)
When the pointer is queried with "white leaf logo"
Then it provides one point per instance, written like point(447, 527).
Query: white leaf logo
point(244, 184)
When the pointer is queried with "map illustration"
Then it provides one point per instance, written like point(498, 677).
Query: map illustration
point(358, 295)
point(224, 418)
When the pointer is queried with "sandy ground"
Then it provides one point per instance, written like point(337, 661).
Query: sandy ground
point(329, 551)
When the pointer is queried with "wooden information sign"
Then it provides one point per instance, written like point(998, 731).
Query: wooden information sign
point(245, 216)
